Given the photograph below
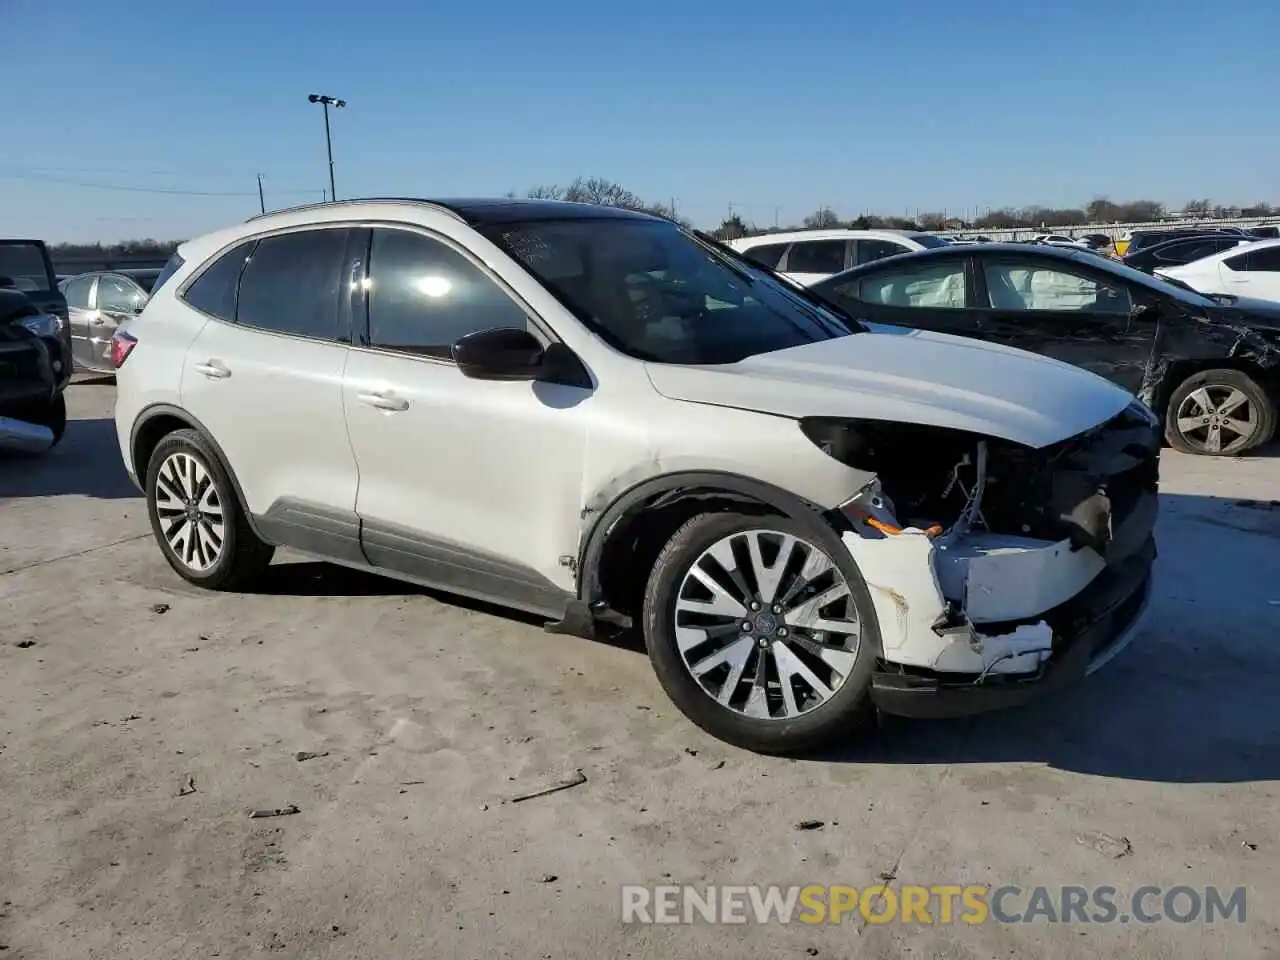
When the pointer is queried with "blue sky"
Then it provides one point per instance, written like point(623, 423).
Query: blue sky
point(778, 108)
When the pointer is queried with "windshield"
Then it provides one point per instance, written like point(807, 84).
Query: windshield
point(928, 240)
point(1180, 293)
point(656, 293)
point(24, 264)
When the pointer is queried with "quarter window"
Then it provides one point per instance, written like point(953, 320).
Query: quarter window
point(816, 256)
point(214, 291)
point(939, 286)
point(424, 295)
point(1031, 286)
point(290, 284)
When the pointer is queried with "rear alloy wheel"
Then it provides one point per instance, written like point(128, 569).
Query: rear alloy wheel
point(197, 518)
point(759, 634)
point(1219, 413)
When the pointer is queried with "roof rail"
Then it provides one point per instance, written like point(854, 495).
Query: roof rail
point(329, 203)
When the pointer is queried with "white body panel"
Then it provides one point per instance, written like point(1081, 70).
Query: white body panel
point(911, 376)
point(274, 404)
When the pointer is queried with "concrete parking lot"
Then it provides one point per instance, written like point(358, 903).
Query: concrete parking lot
point(141, 719)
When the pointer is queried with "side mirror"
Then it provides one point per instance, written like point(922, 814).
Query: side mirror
point(504, 353)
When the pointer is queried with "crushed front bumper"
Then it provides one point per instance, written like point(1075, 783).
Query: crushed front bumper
point(1087, 631)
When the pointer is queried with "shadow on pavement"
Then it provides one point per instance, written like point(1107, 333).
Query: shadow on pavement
point(85, 463)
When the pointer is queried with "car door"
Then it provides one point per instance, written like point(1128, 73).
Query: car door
point(1254, 273)
point(80, 316)
point(117, 299)
point(264, 377)
point(1064, 310)
point(931, 293)
point(809, 261)
point(462, 481)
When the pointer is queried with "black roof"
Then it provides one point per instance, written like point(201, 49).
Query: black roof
point(483, 211)
point(1045, 251)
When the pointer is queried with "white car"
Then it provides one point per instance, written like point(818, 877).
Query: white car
point(597, 417)
point(1250, 270)
point(807, 256)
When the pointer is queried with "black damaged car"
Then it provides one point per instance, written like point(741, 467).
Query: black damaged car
point(1208, 366)
point(35, 355)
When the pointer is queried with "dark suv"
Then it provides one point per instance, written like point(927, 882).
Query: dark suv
point(35, 347)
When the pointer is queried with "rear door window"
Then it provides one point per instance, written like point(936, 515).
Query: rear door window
point(937, 286)
point(768, 255)
point(77, 292)
point(869, 250)
point(1266, 260)
point(291, 284)
point(816, 256)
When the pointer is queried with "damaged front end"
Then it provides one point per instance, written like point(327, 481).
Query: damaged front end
point(997, 570)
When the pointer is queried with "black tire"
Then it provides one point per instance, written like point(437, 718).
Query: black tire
point(823, 725)
point(52, 414)
point(243, 557)
point(1216, 382)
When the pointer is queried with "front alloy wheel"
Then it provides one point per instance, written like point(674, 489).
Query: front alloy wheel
point(766, 624)
point(1219, 413)
point(759, 633)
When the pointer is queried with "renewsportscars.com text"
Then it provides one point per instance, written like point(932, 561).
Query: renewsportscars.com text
point(934, 904)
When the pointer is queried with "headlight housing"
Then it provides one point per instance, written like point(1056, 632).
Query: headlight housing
point(43, 325)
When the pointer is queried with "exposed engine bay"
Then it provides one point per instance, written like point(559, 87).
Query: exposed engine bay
point(997, 542)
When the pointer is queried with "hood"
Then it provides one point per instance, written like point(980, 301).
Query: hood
point(908, 376)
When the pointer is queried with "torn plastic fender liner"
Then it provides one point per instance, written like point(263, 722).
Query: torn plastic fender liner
point(912, 577)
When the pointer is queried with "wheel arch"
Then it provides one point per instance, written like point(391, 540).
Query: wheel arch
point(617, 551)
point(156, 422)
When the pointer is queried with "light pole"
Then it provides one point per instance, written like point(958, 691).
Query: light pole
point(326, 102)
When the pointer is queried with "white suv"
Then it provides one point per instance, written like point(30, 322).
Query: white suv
point(808, 256)
point(599, 417)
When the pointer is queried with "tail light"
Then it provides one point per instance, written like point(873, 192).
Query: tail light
point(122, 345)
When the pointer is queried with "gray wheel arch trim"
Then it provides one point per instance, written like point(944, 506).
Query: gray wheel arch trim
point(148, 414)
point(733, 484)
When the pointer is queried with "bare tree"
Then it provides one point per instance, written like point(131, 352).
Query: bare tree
point(1197, 208)
point(731, 229)
point(824, 218)
point(546, 192)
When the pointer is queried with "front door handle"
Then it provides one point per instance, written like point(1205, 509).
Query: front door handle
point(383, 400)
point(213, 369)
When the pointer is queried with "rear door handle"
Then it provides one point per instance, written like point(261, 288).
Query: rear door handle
point(383, 400)
point(213, 369)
